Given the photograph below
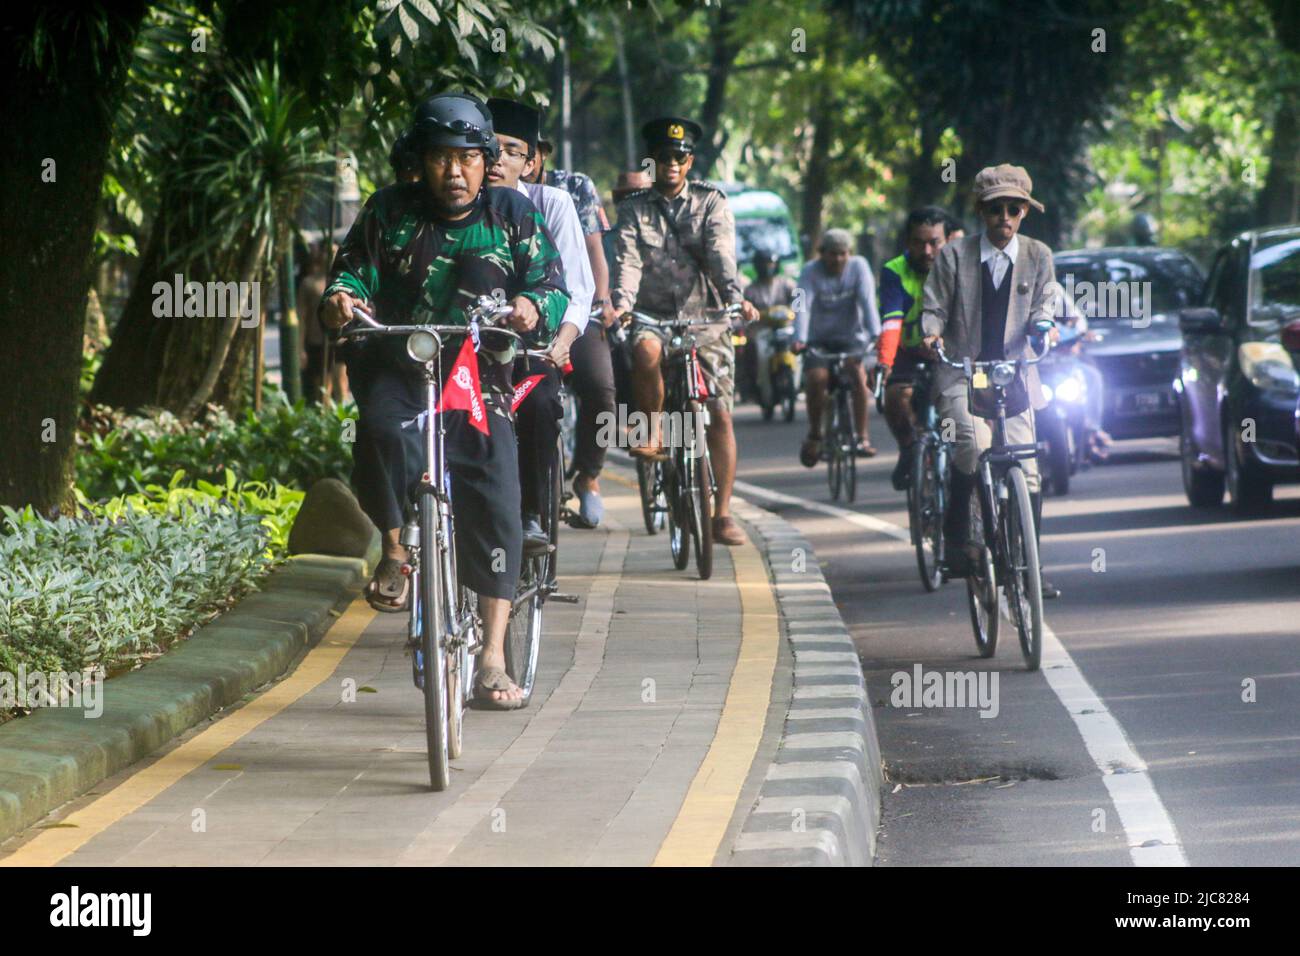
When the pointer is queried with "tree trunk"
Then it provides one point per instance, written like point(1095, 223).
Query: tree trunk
point(1279, 200)
point(723, 55)
point(816, 180)
point(219, 351)
point(60, 116)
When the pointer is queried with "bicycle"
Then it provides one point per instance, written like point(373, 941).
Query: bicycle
point(1008, 564)
point(444, 630)
point(927, 489)
point(839, 438)
point(682, 488)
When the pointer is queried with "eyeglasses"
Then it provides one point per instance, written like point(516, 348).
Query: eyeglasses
point(516, 153)
point(673, 157)
point(1013, 210)
point(465, 158)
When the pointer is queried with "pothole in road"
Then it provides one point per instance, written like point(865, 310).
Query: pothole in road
point(996, 776)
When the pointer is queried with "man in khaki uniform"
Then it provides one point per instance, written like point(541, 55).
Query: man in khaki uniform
point(980, 300)
point(675, 255)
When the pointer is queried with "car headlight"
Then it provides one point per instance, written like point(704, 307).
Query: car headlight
point(1047, 392)
point(1004, 373)
point(422, 346)
point(1069, 390)
point(1268, 366)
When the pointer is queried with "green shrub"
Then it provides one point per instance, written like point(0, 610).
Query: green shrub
point(293, 445)
point(116, 587)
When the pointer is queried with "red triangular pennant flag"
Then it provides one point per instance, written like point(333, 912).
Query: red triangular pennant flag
point(522, 390)
point(461, 389)
point(701, 388)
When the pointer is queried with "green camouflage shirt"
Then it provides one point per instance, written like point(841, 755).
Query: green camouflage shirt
point(415, 268)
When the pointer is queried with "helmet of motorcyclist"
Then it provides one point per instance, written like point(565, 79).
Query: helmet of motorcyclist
point(453, 119)
point(765, 263)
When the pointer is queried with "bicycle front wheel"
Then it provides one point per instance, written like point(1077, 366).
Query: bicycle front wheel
point(701, 493)
point(1024, 582)
point(677, 491)
point(848, 446)
point(982, 587)
point(432, 647)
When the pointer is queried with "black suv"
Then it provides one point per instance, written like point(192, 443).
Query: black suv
point(1238, 386)
point(1131, 298)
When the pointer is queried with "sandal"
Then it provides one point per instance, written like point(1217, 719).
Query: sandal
point(389, 589)
point(488, 679)
point(864, 449)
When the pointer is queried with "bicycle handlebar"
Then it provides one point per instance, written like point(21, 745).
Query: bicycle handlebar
point(722, 315)
point(486, 308)
point(966, 364)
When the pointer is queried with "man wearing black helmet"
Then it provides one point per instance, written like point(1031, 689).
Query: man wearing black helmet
point(676, 256)
point(419, 253)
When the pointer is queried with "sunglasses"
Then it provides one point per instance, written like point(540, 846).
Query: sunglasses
point(670, 157)
point(1013, 210)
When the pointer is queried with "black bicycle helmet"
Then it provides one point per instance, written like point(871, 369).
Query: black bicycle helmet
point(454, 119)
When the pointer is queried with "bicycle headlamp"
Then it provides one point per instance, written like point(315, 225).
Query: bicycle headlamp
point(1004, 373)
point(422, 346)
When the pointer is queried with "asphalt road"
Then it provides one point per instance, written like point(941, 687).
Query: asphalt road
point(1193, 613)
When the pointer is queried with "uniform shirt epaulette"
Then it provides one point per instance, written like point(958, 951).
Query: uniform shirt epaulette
point(705, 185)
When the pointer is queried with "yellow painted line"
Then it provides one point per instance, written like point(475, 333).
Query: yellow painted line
point(711, 800)
point(85, 824)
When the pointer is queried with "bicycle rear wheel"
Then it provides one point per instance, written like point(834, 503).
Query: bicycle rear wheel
point(524, 630)
point(924, 515)
point(649, 479)
point(1024, 583)
point(849, 445)
point(432, 648)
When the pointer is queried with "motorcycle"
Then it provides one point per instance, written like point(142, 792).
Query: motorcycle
point(772, 339)
point(1062, 425)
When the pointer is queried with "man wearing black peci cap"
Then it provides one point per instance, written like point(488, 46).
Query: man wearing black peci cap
point(538, 417)
point(676, 256)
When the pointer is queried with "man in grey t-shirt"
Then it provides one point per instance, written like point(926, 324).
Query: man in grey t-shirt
point(835, 311)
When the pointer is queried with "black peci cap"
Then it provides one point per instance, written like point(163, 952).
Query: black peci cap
point(516, 119)
point(672, 131)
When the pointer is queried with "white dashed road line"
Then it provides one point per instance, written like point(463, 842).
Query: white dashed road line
point(1152, 837)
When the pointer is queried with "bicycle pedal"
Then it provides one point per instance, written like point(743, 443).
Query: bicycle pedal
point(564, 598)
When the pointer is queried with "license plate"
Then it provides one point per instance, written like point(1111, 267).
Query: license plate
point(1147, 401)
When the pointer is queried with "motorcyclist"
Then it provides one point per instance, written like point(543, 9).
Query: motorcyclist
point(768, 289)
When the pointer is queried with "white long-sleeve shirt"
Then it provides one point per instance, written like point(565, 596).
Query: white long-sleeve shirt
point(561, 218)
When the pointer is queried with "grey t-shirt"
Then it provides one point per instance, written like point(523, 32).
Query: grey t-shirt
point(836, 308)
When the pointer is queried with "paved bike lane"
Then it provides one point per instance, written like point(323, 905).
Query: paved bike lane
point(657, 715)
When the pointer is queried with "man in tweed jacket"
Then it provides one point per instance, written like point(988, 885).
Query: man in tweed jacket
point(979, 300)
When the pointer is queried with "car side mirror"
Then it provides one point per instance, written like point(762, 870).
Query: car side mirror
point(1200, 320)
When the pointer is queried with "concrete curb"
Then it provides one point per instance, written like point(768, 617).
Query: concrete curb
point(819, 804)
point(56, 754)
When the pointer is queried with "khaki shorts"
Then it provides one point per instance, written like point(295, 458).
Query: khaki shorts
point(975, 434)
point(717, 360)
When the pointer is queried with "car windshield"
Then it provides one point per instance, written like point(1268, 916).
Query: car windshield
point(772, 235)
point(1116, 287)
point(1275, 282)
